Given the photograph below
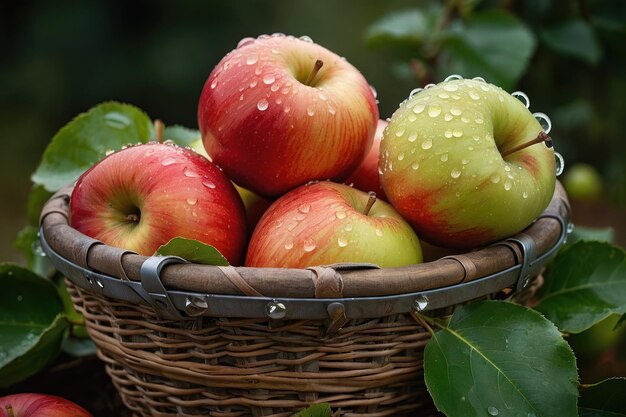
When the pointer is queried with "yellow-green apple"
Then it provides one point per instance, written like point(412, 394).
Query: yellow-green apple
point(466, 164)
point(141, 197)
point(279, 111)
point(39, 405)
point(324, 223)
point(254, 204)
point(583, 182)
point(365, 178)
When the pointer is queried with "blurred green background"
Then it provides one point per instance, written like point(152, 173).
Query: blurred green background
point(60, 58)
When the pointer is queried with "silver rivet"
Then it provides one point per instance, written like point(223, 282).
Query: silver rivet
point(195, 306)
point(420, 303)
point(100, 284)
point(275, 310)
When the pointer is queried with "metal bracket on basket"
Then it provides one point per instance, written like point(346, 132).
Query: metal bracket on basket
point(159, 298)
point(529, 267)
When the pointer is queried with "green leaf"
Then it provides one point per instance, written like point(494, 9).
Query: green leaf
point(574, 38)
point(181, 135)
point(87, 139)
point(317, 410)
point(583, 285)
point(405, 28)
point(599, 234)
point(36, 200)
point(605, 398)
point(492, 44)
point(78, 347)
point(498, 358)
point(193, 251)
point(27, 242)
point(32, 323)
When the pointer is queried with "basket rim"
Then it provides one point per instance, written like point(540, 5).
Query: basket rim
point(543, 237)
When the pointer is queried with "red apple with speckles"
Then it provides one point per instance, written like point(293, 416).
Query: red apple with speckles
point(272, 118)
point(324, 223)
point(141, 197)
point(39, 405)
point(466, 164)
point(366, 177)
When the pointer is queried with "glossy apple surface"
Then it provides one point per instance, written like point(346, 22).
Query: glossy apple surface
point(443, 169)
point(39, 405)
point(366, 177)
point(324, 223)
point(141, 197)
point(271, 129)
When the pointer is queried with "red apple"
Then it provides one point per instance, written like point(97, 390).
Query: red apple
point(366, 177)
point(39, 405)
point(324, 223)
point(273, 119)
point(141, 197)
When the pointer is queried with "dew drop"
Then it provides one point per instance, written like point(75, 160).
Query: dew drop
point(507, 168)
point(168, 161)
point(434, 110)
point(374, 92)
point(258, 71)
point(310, 111)
point(275, 51)
point(412, 117)
point(522, 97)
point(208, 184)
point(262, 104)
point(418, 108)
point(427, 86)
point(455, 173)
point(448, 134)
point(214, 84)
point(451, 87)
point(190, 173)
point(493, 411)
point(474, 95)
point(412, 137)
point(332, 111)
point(400, 131)
point(379, 232)
point(484, 88)
point(525, 194)
point(268, 79)
point(309, 245)
point(342, 242)
point(400, 156)
point(427, 144)
point(457, 133)
point(253, 84)
point(443, 95)
point(252, 59)
point(322, 96)
point(245, 41)
point(480, 79)
point(508, 185)
point(444, 157)
point(456, 111)
point(479, 121)
point(414, 92)
point(286, 109)
point(306, 39)
point(495, 179)
point(560, 163)
point(275, 88)
point(340, 215)
point(465, 161)
point(544, 121)
point(289, 244)
point(447, 117)
point(415, 166)
point(304, 208)
point(110, 151)
point(192, 201)
point(476, 138)
point(453, 77)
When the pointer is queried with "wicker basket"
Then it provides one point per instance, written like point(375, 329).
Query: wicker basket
point(182, 339)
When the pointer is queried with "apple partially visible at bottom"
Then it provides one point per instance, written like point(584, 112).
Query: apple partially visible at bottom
point(39, 405)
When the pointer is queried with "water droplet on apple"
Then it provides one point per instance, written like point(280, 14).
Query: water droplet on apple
point(332, 111)
point(457, 133)
point(447, 117)
point(192, 201)
point(253, 84)
point(479, 121)
point(434, 110)
point(279, 100)
point(168, 161)
point(309, 245)
point(508, 185)
point(110, 151)
point(448, 133)
point(453, 77)
point(474, 95)
point(278, 35)
point(415, 166)
point(427, 86)
point(412, 137)
point(208, 184)
point(480, 79)
point(286, 109)
point(495, 179)
point(414, 92)
point(304, 208)
point(456, 111)
point(268, 79)
point(380, 171)
point(374, 92)
point(252, 59)
point(484, 88)
point(412, 117)
point(322, 96)
point(544, 121)
point(262, 104)
point(310, 111)
point(189, 172)
point(348, 227)
point(289, 244)
point(444, 157)
point(340, 215)
point(258, 71)
point(306, 39)
point(285, 90)
point(342, 242)
point(378, 232)
point(214, 83)
point(418, 108)
point(400, 156)
point(427, 144)
point(560, 163)
point(299, 217)
point(521, 96)
point(455, 173)
point(117, 120)
point(465, 161)
point(443, 95)
point(507, 168)
point(451, 87)
point(400, 131)
point(245, 41)
point(525, 194)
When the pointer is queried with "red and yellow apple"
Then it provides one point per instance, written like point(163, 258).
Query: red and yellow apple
point(325, 223)
point(39, 405)
point(458, 164)
point(279, 111)
point(141, 197)
point(366, 177)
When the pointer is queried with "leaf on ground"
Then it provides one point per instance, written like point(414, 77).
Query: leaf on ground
point(496, 358)
point(583, 285)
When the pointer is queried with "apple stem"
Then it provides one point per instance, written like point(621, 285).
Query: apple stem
point(541, 137)
point(370, 202)
point(158, 130)
point(316, 68)
point(9, 411)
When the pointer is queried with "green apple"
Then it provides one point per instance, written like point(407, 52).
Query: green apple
point(457, 162)
point(325, 223)
point(583, 182)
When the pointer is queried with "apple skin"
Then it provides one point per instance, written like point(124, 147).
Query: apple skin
point(323, 223)
point(39, 405)
point(442, 167)
point(269, 131)
point(141, 197)
point(366, 177)
point(583, 182)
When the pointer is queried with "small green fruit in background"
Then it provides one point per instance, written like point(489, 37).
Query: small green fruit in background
point(583, 182)
point(598, 338)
